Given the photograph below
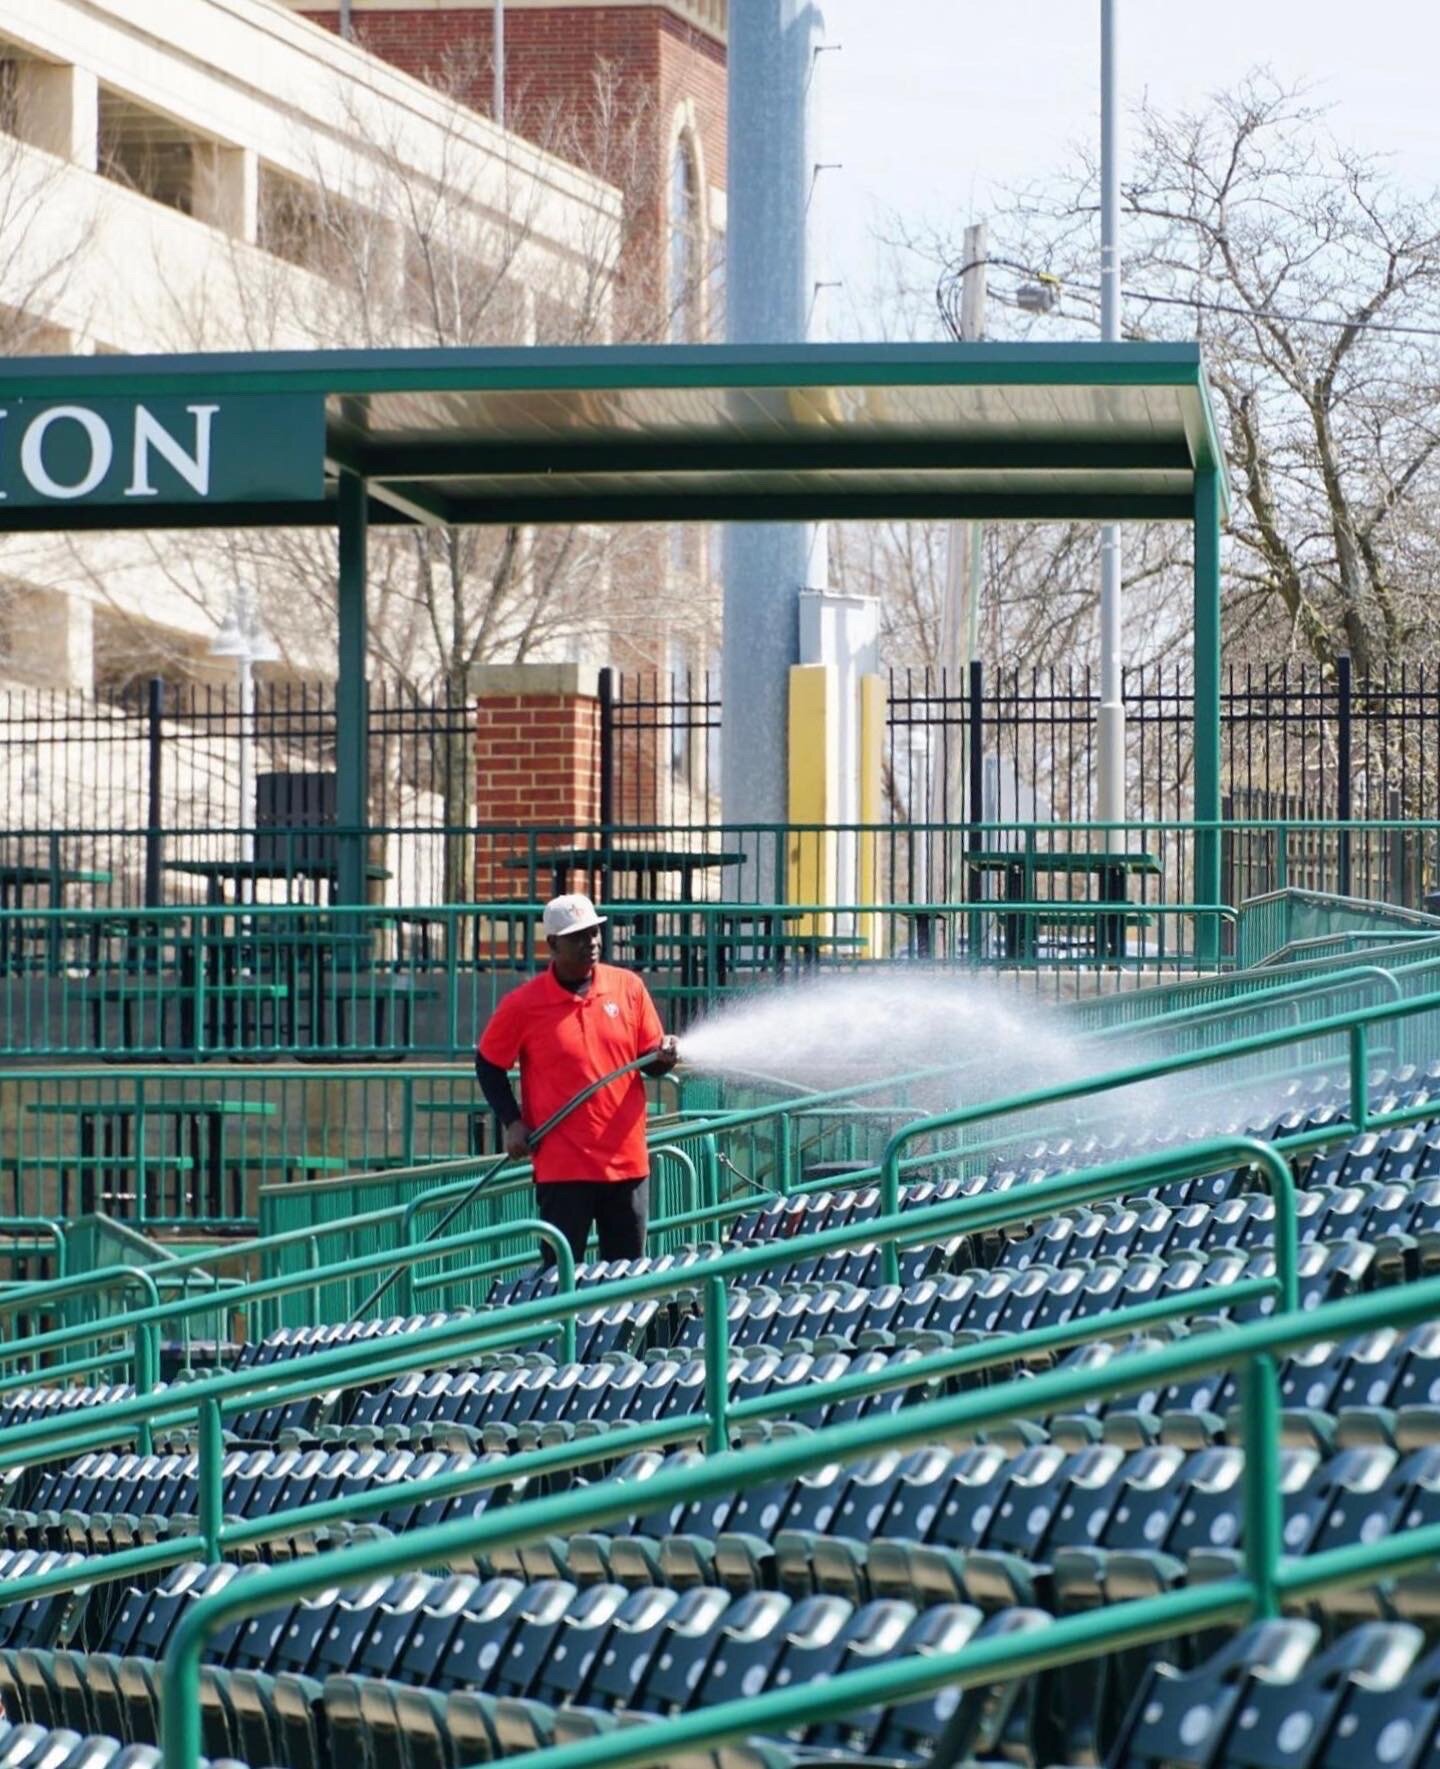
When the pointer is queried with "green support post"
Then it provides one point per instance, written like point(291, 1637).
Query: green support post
point(211, 1456)
point(709, 1172)
point(141, 1146)
point(717, 1368)
point(1207, 711)
point(1264, 1512)
point(147, 1375)
point(1359, 1078)
point(352, 786)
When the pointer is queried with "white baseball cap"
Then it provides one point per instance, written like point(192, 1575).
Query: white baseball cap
point(570, 915)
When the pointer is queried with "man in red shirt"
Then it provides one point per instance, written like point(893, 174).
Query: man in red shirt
point(566, 1028)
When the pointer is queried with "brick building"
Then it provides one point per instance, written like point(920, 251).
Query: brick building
point(632, 90)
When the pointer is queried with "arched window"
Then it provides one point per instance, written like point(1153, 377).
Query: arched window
point(686, 269)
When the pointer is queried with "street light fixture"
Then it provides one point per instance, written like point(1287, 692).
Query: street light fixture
point(1042, 296)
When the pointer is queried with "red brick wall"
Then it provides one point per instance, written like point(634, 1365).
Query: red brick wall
point(552, 56)
point(537, 763)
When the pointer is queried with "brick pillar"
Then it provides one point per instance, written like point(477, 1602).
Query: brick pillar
point(537, 763)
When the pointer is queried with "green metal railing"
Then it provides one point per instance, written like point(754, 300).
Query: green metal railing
point(203, 1403)
point(1266, 1580)
point(370, 983)
point(696, 1153)
point(33, 1236)
point(1282, 920)
point(1394, 859)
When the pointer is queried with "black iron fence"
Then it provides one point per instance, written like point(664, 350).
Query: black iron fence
point(1297, 743)
point(168, 758)
point(659, 746)
point(1001, 746)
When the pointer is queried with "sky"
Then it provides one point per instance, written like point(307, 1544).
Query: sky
point(933, 107)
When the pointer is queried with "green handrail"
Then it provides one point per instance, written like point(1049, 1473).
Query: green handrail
point(695, 1129)
point(887, 1171)
point(151, 1317)
point(712, 1126)
point(1251, 1348)
point(40, 1225)
point(1353, 1025)
point(621, 1440)
point(496, 1327)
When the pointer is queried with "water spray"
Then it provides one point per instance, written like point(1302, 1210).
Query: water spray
point(503, 1163)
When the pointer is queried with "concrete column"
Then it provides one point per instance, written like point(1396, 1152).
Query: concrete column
point(771, 63)
point(225, 189)
point(52, 639)
point(58, 109)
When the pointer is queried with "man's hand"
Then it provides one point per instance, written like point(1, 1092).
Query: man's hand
point(665, 1058)
point(517, 1140)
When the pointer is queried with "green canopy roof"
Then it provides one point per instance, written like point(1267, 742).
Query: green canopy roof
point(985, 431)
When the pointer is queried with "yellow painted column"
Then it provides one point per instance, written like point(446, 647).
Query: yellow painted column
point(871, 928)
point(814, 787)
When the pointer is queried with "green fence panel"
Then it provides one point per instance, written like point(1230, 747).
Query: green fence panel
point(1280, 919)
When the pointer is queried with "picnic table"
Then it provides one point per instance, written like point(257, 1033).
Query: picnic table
point(724, 933)
point(1021, 869)
point(109, 1147)
point(17, 877)
point(238, 873)
point(649, 865)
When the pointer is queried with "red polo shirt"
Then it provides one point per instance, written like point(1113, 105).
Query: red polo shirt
point(562, 1043)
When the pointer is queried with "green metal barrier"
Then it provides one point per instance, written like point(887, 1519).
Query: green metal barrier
point(547, 1315)
point(1268, 1577)
point(41, 1227)
point(1285, 918)
point(204, 1402)
point(782, 1121)
point(287, 980)
point(146, 1322)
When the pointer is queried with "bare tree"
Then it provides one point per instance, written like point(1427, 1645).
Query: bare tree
point(1313, 283)
point(453, 255)
point(464, 251)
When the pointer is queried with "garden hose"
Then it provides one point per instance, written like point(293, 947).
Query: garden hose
point(504, 1163)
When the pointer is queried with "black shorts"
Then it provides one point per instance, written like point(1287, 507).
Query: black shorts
point(617, 1209)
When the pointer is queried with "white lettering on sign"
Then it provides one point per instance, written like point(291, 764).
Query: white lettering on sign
point(32, 458)
point(149, 438)
point(193, 469)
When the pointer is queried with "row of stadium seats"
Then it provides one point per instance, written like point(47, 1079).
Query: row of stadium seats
point(972, 1301)
point(41, 1747)
point(26, 1406)
point(1032, 1502)
point(487, 1664)
point(418, 1672)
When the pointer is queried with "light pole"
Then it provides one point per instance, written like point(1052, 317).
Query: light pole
point(497, 66)
point(242, 638)
point(1110, 727)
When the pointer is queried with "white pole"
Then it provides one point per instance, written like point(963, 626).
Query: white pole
point(960, 608)
point(245, 669)
point(497, 98)
point(1110, 727)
